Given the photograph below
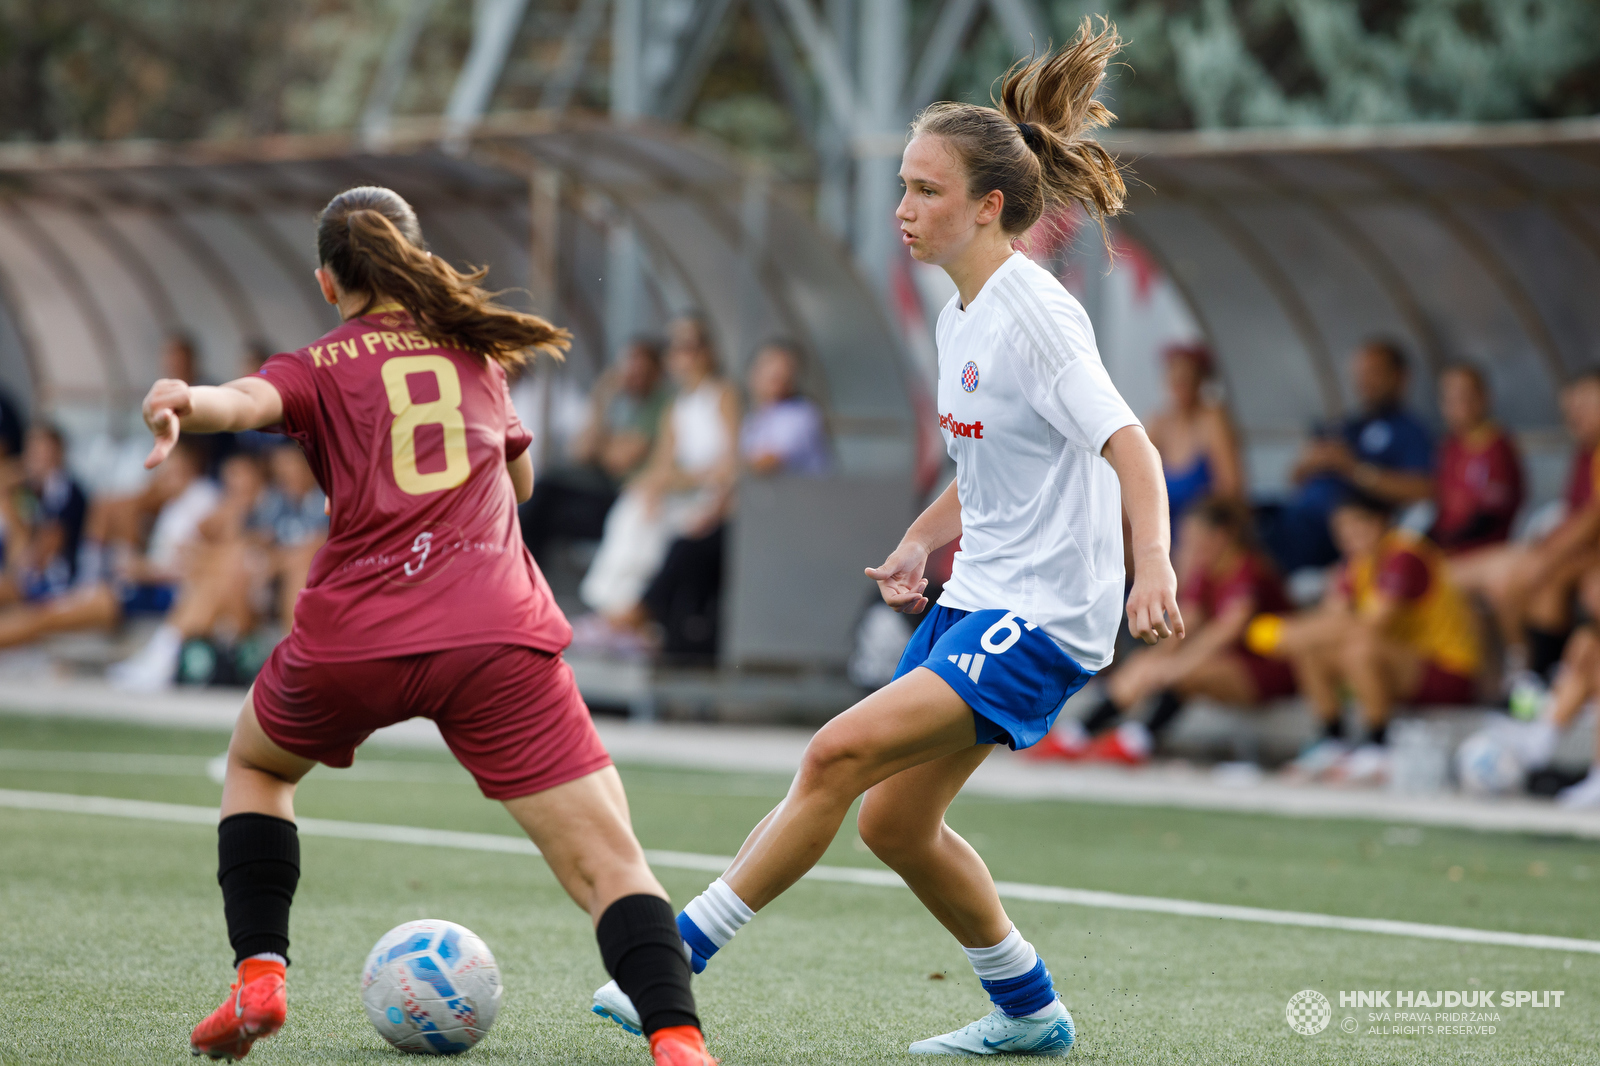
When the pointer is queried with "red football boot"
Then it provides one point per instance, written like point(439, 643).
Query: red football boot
point(1129, 744)
point(680, 1045)
point(1067, 742)
point(255, 1009)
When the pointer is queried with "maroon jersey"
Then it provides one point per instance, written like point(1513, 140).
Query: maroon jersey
point(1253, 579)
point(1580, 480)
point(410, 441)
point(1478, 491)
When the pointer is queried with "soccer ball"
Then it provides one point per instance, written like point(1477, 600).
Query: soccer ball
point(431, 987)
point(1488, 766)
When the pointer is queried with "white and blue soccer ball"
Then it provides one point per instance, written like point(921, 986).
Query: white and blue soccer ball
point(1487, 765)
point(431, 987)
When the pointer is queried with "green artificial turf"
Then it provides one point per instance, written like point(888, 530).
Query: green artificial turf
point(112, 943)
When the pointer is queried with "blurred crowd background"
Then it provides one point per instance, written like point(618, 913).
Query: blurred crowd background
point(1413, 577)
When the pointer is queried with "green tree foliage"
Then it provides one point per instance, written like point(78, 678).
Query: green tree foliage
point(177, 69)
point(1221, 63)
point(106, 69)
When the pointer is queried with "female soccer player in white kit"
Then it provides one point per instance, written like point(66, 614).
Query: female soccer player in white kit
point(1047, 456)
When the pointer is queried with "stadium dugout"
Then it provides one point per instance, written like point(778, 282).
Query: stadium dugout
point(1478, 244)
point(1466, 243)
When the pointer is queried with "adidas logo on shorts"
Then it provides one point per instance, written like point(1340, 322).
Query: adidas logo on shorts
point(971, 665)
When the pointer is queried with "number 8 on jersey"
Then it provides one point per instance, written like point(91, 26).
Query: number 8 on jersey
point(444, 412)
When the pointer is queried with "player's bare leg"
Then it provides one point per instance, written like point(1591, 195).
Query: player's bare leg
point(259, 867)
point(909, 747)
point(902, 821)
point(261, 776)
point(911, 721)
point(583, 831)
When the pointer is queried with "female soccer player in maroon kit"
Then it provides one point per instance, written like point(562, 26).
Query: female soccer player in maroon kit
point(423, 602)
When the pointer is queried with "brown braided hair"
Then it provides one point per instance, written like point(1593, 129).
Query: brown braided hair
point(369, 238)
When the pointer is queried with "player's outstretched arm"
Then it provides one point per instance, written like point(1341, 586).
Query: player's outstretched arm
point(248, 403)
point(1153, 603)
point(899, 578)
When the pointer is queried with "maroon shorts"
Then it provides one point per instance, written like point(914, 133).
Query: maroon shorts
point(512, 715)
point(1273, 678)
point(1441, 686)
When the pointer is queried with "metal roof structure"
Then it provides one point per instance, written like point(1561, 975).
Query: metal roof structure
point(1476, 244)
point(103, 255)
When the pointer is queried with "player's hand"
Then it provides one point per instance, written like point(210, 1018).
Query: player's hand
point(900, 580)
point(1153, 604)
point(167, 401)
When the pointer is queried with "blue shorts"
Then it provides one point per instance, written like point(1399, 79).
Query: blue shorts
point(147, 599)
point(1013, 676)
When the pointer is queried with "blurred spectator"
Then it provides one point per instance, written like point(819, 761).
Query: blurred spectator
point(1576, 685)
point(115, 577)
point(291, 523)
point(1479, 485)
point(785, 433)
point(1530, 586)
point(214, 589)
point(258, 537)
point(181, 359)
point(1383, 451)
point(1198, 445)
point(11, 426)
point(1231, 581)
point(44, 521)
point(625, 411)
point(682, 491)
point(1391, 629)
point(255, 354)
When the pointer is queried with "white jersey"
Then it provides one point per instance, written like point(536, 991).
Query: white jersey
point(1025, 406)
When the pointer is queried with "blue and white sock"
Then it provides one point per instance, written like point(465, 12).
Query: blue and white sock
point(1014, 976)
point(709, 922)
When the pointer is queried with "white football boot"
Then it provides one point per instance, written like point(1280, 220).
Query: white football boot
point(997, 1034)
point(612, 1003)
point(1585, 794)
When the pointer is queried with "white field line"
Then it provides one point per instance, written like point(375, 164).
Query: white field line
point(1077, 897)
point(143, 765)
point(410, 771)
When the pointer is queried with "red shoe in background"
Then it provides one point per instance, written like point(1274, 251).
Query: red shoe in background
point(1128, 744)
point(1067, 742)
point(680, 1045)
point(256, 1007)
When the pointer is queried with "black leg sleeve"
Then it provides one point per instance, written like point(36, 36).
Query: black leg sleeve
point(1168, 707)
point(643, 952)
point(258, 866)
point(1103, 717)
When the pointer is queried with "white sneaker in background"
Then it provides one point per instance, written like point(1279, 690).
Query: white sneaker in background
point(153, 668)
point(1585, 795)
point(1317, 759)
point(1366, 765)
